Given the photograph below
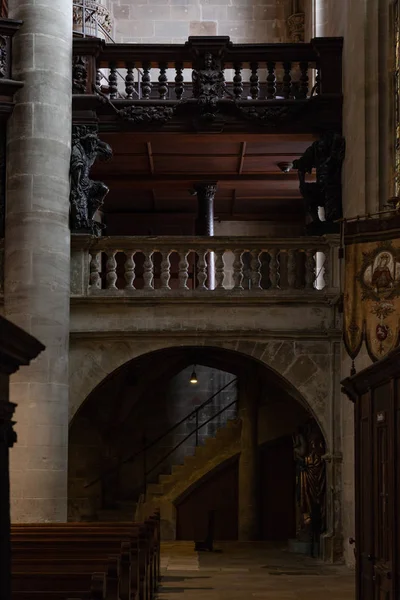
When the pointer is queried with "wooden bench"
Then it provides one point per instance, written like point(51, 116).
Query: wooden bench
point(59, 586)
point(75, 551)
point(117, 571)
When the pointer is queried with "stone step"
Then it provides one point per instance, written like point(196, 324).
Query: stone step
point(114, 515)
point(155, 489)
point(164, 478)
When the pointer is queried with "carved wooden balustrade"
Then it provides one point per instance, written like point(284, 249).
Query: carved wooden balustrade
point(206, 71)
point(207, 267)
point(8, 86)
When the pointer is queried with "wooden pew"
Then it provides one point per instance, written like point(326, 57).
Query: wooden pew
point(116, 570)
point(152, 545)
point(58, 586)
point(101, 543)
point(78, 541)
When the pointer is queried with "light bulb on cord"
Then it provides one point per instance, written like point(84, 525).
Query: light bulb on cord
point(193, 377)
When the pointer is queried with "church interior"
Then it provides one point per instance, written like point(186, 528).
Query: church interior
point(199, 299)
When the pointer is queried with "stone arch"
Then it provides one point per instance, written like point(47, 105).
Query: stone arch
point(304, 368)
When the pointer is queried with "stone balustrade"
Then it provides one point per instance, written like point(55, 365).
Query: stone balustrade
point(143, 267)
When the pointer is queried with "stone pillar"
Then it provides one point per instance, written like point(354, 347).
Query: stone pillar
point(205, 216)
point(205, 222)
point(37, 253)
point(249, 510)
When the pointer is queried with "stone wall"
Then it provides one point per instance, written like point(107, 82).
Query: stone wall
point(173, 21)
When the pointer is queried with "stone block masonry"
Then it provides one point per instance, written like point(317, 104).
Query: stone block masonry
point(173, 21)
point(37, 254)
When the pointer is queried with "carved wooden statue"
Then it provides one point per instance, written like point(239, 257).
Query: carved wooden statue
point(86, 195)
point(309, 449)
point(326, 157)
point(208, 84)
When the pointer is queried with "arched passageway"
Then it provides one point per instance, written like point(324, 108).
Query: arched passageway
point(136, 442)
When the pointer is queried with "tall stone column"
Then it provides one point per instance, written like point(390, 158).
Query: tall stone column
point(249, 509)
point(37, 254)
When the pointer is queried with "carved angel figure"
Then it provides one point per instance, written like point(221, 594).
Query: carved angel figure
point(86, 195)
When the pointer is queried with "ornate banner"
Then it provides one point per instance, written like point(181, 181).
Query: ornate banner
point(372, 288)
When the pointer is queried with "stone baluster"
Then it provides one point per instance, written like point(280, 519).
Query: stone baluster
point(165, 270)
point(99, 77)
point(219, 270)
point(287, 80)
point(237, 81)
point(129, 81)
point(291, 268)
point(238, 270)
point(303, 89)
point(113, 81)
point(183, 269)
point(179, 84)
point(146, 81)
point(202, 269)
point(327, 267)
point(320, 263)
point(148, 270)
point(111, 271)
point(130, 271)
point(317, 86)
point(310, 269)
point(254, 81)
point(163, 81)
point(95, 269)
point(271, 81)
point(273, 269)
point(255, 273)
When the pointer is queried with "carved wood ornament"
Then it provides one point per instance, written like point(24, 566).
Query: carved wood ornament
point(86, 195)
point(326, 157)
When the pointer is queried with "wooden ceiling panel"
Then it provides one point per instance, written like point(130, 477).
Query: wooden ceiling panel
point(265, 163)
point(177, 146)
point(153, 173)
point(123, 164)
point(124, 143)
point(194, 164)
point(280, 146)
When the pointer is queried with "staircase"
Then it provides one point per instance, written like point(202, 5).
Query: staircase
point(171, 487)
point(123, 511)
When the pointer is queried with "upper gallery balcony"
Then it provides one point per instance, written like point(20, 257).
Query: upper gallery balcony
point(210, 83)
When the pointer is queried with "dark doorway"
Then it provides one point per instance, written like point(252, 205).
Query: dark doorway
point(277, 486)
point(218, 493)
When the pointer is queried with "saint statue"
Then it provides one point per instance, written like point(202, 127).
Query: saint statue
point(309, 449)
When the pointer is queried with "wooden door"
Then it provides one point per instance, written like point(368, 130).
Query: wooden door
point(383, 492)
point(375, 494)
point(278, 494)
point(217, 493)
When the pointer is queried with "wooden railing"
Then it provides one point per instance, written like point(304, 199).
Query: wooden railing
point(8, 27)
point(247, 71)
point(194, 266)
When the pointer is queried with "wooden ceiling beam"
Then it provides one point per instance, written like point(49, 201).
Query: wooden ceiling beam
point(241, 158)
point(191, 178)
point(150, 158)
point(224, 216)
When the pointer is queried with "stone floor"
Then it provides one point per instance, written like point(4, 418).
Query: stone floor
point(242, 571)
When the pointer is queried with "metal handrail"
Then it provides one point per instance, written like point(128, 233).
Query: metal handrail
point(144, 450)
point(195, 431)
